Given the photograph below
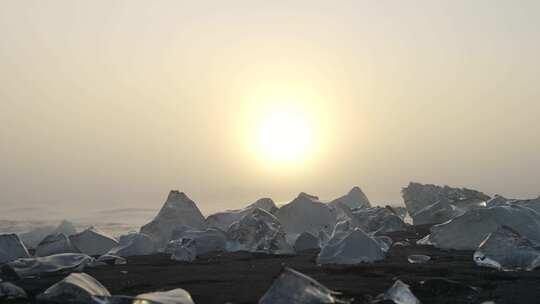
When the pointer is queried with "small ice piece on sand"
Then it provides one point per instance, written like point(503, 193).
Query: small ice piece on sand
point(175, 296)
point(75, 288)
point(401, 294)
point(294, 287)
point(418, 258)
point(54, 263)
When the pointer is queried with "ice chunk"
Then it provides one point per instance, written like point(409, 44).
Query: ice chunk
point(506, 249)
point(9, 291)
point(32, 238)
point(132, 244)
point(258, 231)
point(306, 214)
point(354, 199)
point(341, 230)
point(75, 288)
point(379, 220)
point(400, 293)
point(179, 210)
point(418, 196)
point(306, 241)
point(93, 241)
point(418, 258)
point(183, 250)
point(223, 220)
point(28, 267)
point(175, 296)
point(11, 248)
point(357, 247)
point(467, 231)
point(55, 244)
point(35, 236)
point(499, 200)
point(205, 241)
point(65, 227)
point(436, 213)
point(294, 287)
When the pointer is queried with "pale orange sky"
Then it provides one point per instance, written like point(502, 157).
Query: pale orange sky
point(113, 103)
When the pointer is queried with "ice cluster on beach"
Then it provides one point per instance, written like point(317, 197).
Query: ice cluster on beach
point(503, 233)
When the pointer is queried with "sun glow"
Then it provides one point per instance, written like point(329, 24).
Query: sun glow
point(284, 135)
point(285, 128)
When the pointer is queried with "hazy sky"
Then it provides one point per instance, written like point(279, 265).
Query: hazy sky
point(107, 104)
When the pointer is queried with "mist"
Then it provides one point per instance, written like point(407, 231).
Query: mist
point(109, 105)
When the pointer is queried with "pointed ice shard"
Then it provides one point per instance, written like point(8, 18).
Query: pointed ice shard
point(35, 236)
point(55, 244)
point(354, 199)
point(11, 248)
point(65, 227)
point(93, 241)
point(294, 287)
point(179, 210)
point(505, 249)
point(75, 288)
point(401, 294)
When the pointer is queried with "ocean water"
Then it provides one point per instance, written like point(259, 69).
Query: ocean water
point(114, 221)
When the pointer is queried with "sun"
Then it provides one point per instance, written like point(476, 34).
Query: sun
point(284, 135)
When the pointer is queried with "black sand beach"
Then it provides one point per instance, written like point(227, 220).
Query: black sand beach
point(450, 277)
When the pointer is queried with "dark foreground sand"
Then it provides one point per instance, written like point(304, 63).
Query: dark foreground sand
point(244, 277)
